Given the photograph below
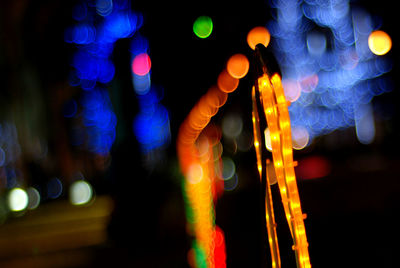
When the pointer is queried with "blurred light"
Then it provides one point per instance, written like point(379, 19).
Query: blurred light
point(141, 64)
point(226, 82)
point(258, 35)
point(379, 42)
point(228, 168)
point(152, 129)
point(81, 34)
point(120, 24)
point(325, 50)
point(100, 121)
point(244, 141)
point(232, 125)
point(33, 197)
point(313, 167)
point(267, 137)
point(300, 137)
point(316, 43)
point(219, 251)
point(292, 89)
point(54, 188)
point(238, 66)
point(80, 192)
point(309, 83)
point(139, 45)
point(203, 26)
point(195, 173)
point(104, 7)
point(100, 24)
point(215, 97)
point(17, 199)
point(231, 183)
point(364, 122)
point(141, 83)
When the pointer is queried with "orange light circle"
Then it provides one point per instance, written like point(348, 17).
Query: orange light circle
point(258, 35)
point(226, 82)
point(379, 42)
point(238, 66)
point(216, 97)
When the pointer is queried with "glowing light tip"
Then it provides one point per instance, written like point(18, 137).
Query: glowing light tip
point(379, 42)
point(203, 26)
point(258, 35)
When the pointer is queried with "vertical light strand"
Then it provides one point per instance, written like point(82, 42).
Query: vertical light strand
point(299, 235)
point(269, 210)
point(271, 114)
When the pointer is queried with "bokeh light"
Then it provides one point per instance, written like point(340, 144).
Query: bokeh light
point(258, 35)
point(300, 137)
point(228, 168)
point(329, 54)
point(17, 199)
point(379, 42)
point(33, 198)
point(231, 183)
point(80, 192)
point(203, 26)
point(141, 64)
point(232, 125)
point(313, 167)
point(104, 7)
point(237, 66)
point(226, 82)
point(54, 188)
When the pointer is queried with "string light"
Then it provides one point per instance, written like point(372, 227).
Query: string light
point(272, 101)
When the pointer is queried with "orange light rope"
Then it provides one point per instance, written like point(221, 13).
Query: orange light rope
point(274, 103)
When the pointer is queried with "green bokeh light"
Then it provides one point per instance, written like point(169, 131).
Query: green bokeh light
point(203, 26)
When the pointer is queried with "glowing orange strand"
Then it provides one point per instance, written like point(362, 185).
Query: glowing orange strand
point(277, 115)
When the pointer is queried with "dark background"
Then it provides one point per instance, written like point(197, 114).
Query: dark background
point(352, 212)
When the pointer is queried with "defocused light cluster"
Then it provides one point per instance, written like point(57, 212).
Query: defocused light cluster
point(99, 24)
point(19, 199)
point(328, 54)
point(206, 173)
point(151, 125)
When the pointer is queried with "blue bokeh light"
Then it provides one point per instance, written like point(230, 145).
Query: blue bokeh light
point(323, 46)
point(151, 125)
point(99, 24)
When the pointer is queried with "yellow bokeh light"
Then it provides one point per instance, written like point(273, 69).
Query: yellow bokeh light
point(379, 42)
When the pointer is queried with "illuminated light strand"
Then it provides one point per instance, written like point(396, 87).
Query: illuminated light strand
point(269, 213)
point(201, 192)
point(300, 238)
point(277, 116)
